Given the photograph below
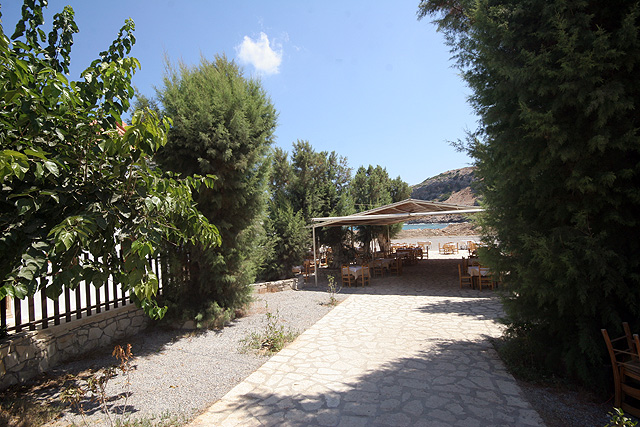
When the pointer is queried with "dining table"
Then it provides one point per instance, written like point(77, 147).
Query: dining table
point(354, 270)
point(384, 262)
point(476, 270)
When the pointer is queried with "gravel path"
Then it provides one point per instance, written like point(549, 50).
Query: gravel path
point(182, 373)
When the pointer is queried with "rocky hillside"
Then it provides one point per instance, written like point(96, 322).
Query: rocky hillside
point(450, 187)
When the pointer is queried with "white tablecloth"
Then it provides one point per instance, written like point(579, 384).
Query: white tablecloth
point(355, 270)
point(385, 262)
point(476, 271)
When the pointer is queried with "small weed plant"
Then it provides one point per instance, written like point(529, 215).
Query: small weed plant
point(274, 337)
point(94, 387)
point(619, 419)
point(333, 289)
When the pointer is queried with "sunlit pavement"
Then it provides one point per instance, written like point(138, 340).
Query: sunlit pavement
point(412, 350)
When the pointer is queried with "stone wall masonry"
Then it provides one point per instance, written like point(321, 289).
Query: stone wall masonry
point(27, 354)
point(278, 285)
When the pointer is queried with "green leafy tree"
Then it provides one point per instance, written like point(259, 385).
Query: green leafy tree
point(77, 187)
point(372, 188)
point(223, 124)
point(558, 154)
point(286, 234)
point(320, 188)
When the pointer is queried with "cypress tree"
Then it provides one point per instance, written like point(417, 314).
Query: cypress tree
point(223, 124)
point(558, 155)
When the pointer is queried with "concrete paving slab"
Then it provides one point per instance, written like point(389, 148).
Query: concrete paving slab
point(405, 351)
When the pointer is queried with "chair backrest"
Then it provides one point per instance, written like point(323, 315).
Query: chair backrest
point(346, 274)
point(365, 274)
point(623, 348)
point(484, 280)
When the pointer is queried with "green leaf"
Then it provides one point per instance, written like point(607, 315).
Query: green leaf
point(27, 272)
point(36, 153)
point(67, 238)
point(24, 205)
point(52, 167)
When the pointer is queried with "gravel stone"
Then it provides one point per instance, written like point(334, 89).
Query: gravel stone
point(183, 373)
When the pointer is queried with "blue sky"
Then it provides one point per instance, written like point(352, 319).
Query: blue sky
point(365, 79)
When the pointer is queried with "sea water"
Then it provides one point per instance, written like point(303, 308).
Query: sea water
point(436, 226)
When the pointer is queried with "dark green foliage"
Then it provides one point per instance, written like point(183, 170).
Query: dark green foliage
point(79, 200)
point(372, 188)
point(558, 156)
point(312, 184)
point(223, 124)
point(320, 188)
point(287, 237)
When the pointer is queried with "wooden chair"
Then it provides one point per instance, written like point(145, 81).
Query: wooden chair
point(624, 352)
point(347, 279)
point(396, 267)
point(365, 275)
point(465, 279)
point(308, 268)
point(378, 269)
point(484, 280)
point(471, 247)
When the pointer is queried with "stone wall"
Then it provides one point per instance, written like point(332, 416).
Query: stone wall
point(278, 285)
point(27, 354)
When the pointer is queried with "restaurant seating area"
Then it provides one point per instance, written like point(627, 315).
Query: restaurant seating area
point(367, 266)
point(475, 275)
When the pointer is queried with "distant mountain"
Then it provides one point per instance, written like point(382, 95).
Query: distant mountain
point(453, 186)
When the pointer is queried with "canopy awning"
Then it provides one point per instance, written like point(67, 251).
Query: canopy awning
point(394, 213)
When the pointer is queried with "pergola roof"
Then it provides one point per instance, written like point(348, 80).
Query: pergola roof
point(396, 212)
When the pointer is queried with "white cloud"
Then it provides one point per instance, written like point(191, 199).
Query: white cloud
point(260, 54)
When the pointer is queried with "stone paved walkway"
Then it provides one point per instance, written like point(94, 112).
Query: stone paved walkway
point(408, 351)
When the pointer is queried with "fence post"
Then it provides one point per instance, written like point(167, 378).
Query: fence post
point(3, 313)
point(87, 298)
point(56, 311)
point(67, 305)
point(43, 303)
point(17, 314)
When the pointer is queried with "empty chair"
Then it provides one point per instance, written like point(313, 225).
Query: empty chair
point(378, 268)
point(625, 362)
point(395, 267)
point(346, 276)
point(465, 279)
point(471, 247)
point(484, 280)
point(309, 268)
point(365, 275)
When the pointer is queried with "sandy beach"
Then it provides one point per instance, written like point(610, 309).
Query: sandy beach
point(456, 233)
